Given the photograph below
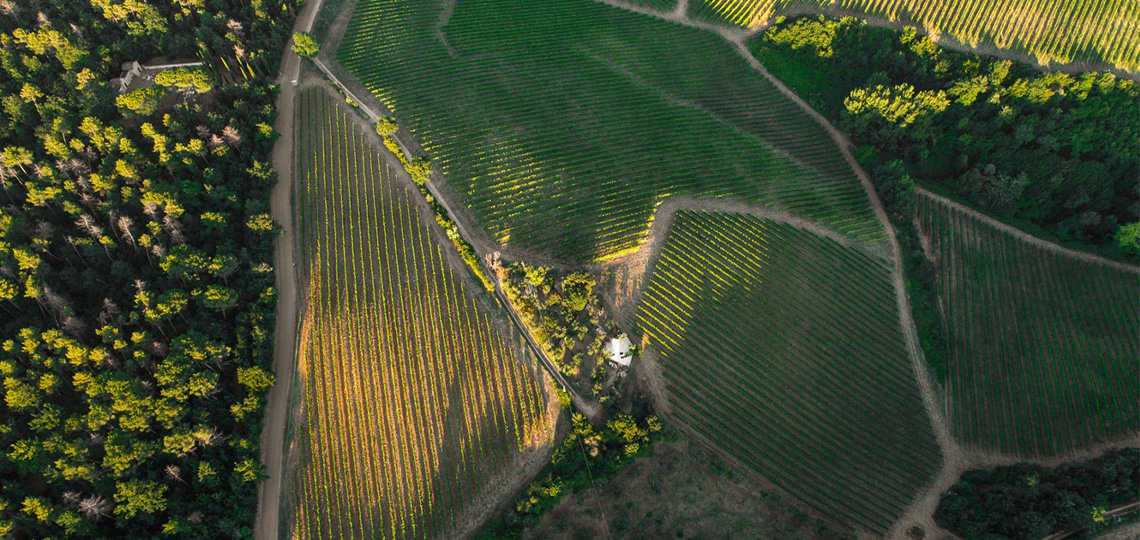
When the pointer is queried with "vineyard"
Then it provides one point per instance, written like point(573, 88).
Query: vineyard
point(1043, 345)
point(785, 350)
point(564, 124)
point(413, 402)
point(1095, 31)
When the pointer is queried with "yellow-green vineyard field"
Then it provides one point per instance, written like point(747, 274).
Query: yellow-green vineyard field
point(1100, 32)
point(785, 350)
point(1044, 351)
point(413, 402)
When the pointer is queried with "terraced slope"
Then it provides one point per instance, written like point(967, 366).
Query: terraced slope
point(785, 350)
point(564, 124)
point(1044, 346)
point(413, 402)
point(1100, 32)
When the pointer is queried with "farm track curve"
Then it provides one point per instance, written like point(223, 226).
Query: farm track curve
point(1026, 237)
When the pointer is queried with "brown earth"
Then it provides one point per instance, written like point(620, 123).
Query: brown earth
point(681, 491)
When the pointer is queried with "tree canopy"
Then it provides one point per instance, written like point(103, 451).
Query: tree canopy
point(1057, 153)
point(136, 276)
point(1029, 502)
point(305, 45)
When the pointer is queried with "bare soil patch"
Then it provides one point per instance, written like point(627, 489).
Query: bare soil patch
point(681, 491)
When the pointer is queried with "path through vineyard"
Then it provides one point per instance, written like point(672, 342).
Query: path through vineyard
point(267, 523)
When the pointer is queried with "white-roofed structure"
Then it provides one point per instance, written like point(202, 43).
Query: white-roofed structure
point(618, 349)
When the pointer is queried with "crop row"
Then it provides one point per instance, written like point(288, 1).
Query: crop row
point(1043, 346)
point(413, 402)
point(564, 124)
point(1062, 31)
point(785, 350)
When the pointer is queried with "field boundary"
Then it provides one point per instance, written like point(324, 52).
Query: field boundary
point(267, 523)
point(1024, 236)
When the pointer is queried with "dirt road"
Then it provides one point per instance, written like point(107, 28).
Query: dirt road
point(1115, 511)
point(1026, 237)
point(267, 524)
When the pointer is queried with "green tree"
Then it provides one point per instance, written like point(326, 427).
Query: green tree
point(1128, 238)
point(305, 45)
point(185, 78)
point(218, 297)
point(142, 102)
point(135, 497)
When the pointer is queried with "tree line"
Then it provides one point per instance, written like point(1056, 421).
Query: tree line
point(1030, 502)
point(136, 277)
point(1056, 153)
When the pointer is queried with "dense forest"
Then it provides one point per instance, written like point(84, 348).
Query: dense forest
point(1057, 153)
point(1030, 502)
point(135, 266)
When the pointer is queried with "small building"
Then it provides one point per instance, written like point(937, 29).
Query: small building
point(129, 70)
point(118, 85)
point(132, 69)
point(619, 350)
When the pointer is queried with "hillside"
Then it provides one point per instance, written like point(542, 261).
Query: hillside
point(784, 350)
point(415, 405)
point(1043, 348)
point(563, 125)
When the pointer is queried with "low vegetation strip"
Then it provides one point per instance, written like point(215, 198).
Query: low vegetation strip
point(564, 124)
point(1042, 345)
point(1099, 32)
point(785, 350)
point(413, 403)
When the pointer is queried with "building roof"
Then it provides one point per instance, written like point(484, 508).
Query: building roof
point(618, 349)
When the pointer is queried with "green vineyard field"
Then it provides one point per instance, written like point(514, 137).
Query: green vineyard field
point(785, 349)
point(1043, 345)
point(564, 124)
point(1100, 32)
point(413, 402)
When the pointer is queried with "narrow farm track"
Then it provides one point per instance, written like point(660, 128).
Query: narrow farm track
point(1026, 237)
point(267, 524)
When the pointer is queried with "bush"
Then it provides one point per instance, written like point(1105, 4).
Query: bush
point(305, 45)
point(184, 78)
point(386, 127)
point(142, 102)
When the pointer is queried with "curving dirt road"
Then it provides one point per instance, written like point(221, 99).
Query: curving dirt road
point(1026, 237)
point(267, 524)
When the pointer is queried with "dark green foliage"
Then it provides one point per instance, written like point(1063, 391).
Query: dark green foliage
point(137, 304)
point(1054, 150)
point(1030, 502)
